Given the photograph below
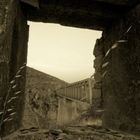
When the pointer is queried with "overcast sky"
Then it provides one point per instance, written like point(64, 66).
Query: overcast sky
point(64, 52)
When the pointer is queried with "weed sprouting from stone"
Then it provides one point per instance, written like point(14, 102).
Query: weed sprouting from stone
point(8, 112)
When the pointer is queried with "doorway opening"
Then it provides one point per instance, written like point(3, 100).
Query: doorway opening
point(57, 56)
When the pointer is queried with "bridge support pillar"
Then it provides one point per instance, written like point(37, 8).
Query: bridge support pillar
point(90, 91)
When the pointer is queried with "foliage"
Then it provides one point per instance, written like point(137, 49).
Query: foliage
point(8, 112)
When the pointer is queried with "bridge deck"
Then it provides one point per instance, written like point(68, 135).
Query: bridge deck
point(81, 90)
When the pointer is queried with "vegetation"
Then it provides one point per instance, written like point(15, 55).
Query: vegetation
point(8, 112)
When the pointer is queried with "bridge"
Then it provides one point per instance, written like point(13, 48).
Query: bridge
point(80, 91)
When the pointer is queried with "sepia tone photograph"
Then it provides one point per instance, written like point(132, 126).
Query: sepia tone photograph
point(69, 69)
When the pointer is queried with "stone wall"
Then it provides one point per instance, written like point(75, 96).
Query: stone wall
point(13, 51)
point(97, 90)
point(121, 73)
point(71, 110)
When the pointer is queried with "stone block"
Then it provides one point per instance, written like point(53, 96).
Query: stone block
point(98, 62)
point(97, 77)
point(96, 93)
point(98, 49)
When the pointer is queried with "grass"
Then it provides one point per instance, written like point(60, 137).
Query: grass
point(8, 112)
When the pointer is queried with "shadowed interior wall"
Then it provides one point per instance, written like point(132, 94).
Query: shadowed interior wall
point(13, 53)
point(18, 60)
point(8, 11)
point(121, 73)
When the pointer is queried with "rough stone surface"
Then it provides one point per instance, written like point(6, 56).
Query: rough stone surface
point(73, 132)
point(97, 14)
point(13, 43)
point(97, 90)
point(18, 62)
point(120, 81)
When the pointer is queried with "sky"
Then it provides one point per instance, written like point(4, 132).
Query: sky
point(63, 52)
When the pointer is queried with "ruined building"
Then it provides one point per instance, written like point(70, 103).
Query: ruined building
point(117, 53)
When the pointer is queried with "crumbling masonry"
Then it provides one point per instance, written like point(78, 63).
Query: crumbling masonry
point(117, 53)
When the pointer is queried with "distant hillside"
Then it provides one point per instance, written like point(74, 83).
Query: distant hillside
point(40, 101)
point(42, 81)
